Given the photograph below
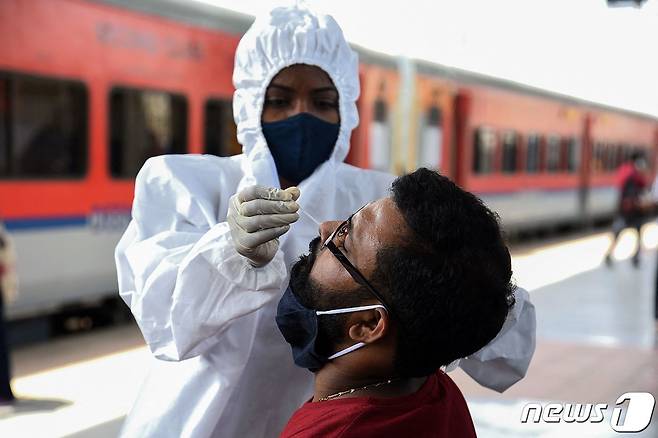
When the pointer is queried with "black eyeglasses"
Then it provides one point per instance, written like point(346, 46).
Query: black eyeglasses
point(341, 232)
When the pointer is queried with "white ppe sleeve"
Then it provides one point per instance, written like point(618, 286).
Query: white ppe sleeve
point(505, 360)
point(183, 279)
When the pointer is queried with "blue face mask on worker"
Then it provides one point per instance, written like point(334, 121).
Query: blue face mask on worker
point(299, 144)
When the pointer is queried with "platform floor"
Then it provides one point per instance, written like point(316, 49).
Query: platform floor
point(596, 335)
point(596, 341)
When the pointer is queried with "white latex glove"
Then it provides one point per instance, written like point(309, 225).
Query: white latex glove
point(257, 216)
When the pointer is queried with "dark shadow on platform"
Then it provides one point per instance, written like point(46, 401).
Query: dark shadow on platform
point(30, 405)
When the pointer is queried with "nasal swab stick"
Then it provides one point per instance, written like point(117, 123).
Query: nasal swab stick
point(294, 191)
point(308, 215)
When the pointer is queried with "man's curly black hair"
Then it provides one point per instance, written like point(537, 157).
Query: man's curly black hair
point(449, 285)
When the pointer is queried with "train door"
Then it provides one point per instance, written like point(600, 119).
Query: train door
point(380, 133)
point(584, 183)
point(359, 137)
point(430, 154)
point(459, 163)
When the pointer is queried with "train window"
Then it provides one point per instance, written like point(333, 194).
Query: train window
point(533, 156)
point(220, 132)
point(613, 153)
point(628, 151)
point(605, 157)
point(144, 124)
point(484, 148)
point(573, 154)
point(619, 155)
point(553, 153)
point(597, 157)
point(43, 127)
point(610, 164)
point(510, 151)
point(642, 152)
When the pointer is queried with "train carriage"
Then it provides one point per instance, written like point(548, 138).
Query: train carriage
point(84, 102)
point(86, 98)
point(523, 156)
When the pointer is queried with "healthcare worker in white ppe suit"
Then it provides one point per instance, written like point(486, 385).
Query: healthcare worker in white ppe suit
point(200, 264)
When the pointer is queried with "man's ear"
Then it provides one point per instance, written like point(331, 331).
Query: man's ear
point(369, 326)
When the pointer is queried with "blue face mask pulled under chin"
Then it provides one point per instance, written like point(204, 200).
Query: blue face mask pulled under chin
point(299, 326)
point(299, 144)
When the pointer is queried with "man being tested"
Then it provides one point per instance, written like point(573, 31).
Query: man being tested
point(407, 284)
point(207, 254)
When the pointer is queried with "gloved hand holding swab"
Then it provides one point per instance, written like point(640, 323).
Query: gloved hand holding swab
point(257, 217)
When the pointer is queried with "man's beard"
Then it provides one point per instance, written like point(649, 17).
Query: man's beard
point(313, 295)
point(331, 328)
point(303, 287)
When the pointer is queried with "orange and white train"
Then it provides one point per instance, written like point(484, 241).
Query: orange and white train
point(90, 89)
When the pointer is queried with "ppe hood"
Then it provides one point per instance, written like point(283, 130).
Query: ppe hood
point(283, 37)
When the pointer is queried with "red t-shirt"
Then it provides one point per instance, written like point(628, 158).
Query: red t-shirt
point(437, 409)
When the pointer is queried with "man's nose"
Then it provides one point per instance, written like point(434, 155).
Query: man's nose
point(326, 228)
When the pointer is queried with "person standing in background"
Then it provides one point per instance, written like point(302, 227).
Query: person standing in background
point(8, 288)
point(631, 184)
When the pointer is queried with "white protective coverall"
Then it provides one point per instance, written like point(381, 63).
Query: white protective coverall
point(224, 368)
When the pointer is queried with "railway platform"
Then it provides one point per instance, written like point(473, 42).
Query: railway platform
point(596, 340)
